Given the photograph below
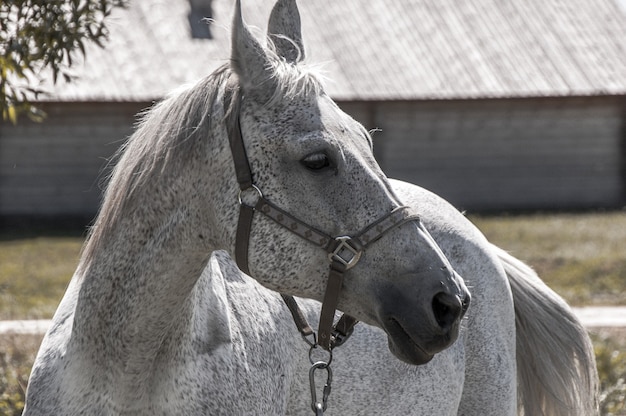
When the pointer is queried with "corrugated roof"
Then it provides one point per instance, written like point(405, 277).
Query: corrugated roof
point(378, 49)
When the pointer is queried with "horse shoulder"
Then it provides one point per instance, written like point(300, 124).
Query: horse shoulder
point(236, 357)
point(490, 386)
point(53, 363)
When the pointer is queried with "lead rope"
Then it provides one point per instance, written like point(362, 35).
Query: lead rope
point(343, 253)
point(341, 332)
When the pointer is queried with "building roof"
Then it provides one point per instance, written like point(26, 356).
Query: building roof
point(377, 49)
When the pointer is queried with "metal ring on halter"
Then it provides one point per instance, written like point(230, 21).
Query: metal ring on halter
point(254, 187)
point(314, 361)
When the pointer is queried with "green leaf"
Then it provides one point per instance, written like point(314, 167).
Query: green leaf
point(11, 114)
point(42, 35)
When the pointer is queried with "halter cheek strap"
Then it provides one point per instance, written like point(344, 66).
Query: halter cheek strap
point(344, 252)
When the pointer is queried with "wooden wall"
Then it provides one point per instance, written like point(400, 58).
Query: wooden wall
point(505, 154)
point(54, 167)
point(480, 155)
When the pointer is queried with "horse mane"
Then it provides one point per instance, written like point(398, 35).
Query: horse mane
point(293, 80)
point(166, 133)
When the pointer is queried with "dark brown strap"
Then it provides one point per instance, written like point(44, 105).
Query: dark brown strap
point(244, 174)
point(244, 177)
point(298, 317)
point(293, 224)
point(376, 230)
point(240, 158)
point(329, 305)
point(341, 331)
point(244, 225)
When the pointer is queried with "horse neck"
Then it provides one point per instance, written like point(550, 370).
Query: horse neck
point(136, 286)
point(138, 277)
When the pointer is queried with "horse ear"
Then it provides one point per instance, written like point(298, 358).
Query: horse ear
point(284, 29)
point(249, 60)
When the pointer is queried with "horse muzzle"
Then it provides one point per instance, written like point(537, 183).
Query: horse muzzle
point(425, 318)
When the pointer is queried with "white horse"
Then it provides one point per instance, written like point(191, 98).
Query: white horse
point(158, 320)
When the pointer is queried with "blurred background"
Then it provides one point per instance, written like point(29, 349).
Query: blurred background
point(514, 111)
point(494, 105)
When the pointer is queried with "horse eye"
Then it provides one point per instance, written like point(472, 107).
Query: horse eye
point(316, 161)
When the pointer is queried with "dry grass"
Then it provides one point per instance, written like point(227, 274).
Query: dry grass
point(581, 256)
point(17, 353)
point(578, 255)
point(34, 272)
point(610, 349)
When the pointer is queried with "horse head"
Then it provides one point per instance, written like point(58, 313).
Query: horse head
point(313, 165)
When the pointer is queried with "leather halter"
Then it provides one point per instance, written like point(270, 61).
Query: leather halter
point(344, 252)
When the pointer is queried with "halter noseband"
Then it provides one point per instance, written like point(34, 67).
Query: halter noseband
point(344, 252)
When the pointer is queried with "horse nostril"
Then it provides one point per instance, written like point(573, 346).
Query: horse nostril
point(447, 309)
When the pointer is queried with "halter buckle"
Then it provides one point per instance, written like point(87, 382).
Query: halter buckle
point(241, 198)
point(345, 253)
